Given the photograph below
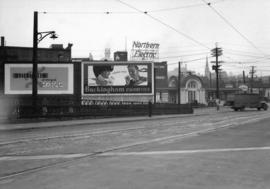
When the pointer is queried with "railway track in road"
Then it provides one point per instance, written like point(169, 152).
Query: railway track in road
point(224, 123)
point(104, 131)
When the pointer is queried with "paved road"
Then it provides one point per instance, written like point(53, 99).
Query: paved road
point(221, 150)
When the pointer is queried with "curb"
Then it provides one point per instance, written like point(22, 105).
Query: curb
point(57, 124)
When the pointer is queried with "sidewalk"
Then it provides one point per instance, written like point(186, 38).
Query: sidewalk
point(42, 123)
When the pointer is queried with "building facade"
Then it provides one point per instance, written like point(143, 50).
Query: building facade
point(56, 54)
point(11, 54)
point(192, 90)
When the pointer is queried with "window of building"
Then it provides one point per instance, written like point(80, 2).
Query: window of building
point(192, 85)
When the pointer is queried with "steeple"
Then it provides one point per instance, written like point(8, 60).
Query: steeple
point(207, 71)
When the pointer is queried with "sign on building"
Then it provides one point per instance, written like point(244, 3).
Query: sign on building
point(52, 79)
point(121, 78)
point(144, 51)
point(243, 87)
point(161, 74)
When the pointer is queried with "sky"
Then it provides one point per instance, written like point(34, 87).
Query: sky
point(186, 30)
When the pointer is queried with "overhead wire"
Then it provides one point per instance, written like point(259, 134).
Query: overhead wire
point(163, 23)
point(187, 61)
point(180, 56)
point(240, 51)
point(233, 27)
point(183, 7)
point(130, 12)
point(246, 55)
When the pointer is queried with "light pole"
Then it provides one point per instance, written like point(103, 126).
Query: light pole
point(37, 37)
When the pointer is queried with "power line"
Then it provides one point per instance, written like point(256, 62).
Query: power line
point(167, 51)
point(183, 7)
point(234, 28)
point(163, 23)
point(239, 54)
point(129, 12)
point(187, 61)
point(184, 55)
point(243, 52)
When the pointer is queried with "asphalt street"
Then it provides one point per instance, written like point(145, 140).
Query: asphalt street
point(217, 150)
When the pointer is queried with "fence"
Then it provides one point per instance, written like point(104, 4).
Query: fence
point(20, 108)
point(93, 109)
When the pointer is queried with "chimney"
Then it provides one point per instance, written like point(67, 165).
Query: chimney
point(2, 41)
point(69, 46)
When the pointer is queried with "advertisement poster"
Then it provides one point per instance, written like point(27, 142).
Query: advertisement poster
point(52, 79)
point(117, 78)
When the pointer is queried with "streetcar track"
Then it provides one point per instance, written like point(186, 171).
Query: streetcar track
point(84, 135)
point(100, 152)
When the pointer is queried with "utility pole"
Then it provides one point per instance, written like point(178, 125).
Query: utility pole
point(35, 67)
point(37, 37)
point(244, 77)
point(216, 52)
point(179, 83)
point(252, 76)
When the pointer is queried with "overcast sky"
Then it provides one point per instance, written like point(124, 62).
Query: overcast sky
point(185, 29)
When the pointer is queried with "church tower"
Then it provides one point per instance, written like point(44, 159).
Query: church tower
point(207, 70)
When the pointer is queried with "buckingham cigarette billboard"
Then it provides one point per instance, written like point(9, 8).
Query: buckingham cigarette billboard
point(52, 79)
point(117, 78)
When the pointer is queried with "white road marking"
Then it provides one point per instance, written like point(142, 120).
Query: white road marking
point(42, 157)
point(66, 156)
point(184, 151)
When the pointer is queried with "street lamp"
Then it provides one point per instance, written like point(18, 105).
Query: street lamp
point(42, 35)
point(37, 37)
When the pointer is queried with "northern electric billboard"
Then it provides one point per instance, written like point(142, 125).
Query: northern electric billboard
point(123, 78)
point(52, 79)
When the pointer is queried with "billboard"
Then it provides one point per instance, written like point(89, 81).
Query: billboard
point(52, 79)
point(122, 78)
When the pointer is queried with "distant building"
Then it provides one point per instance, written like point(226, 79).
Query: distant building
point(23, 55)
point(120, 56)
point(12, 54)
point(192, 88)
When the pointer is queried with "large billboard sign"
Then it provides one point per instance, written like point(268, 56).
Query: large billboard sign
point(52, 79)
point(117, 78)
point(144, 51)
